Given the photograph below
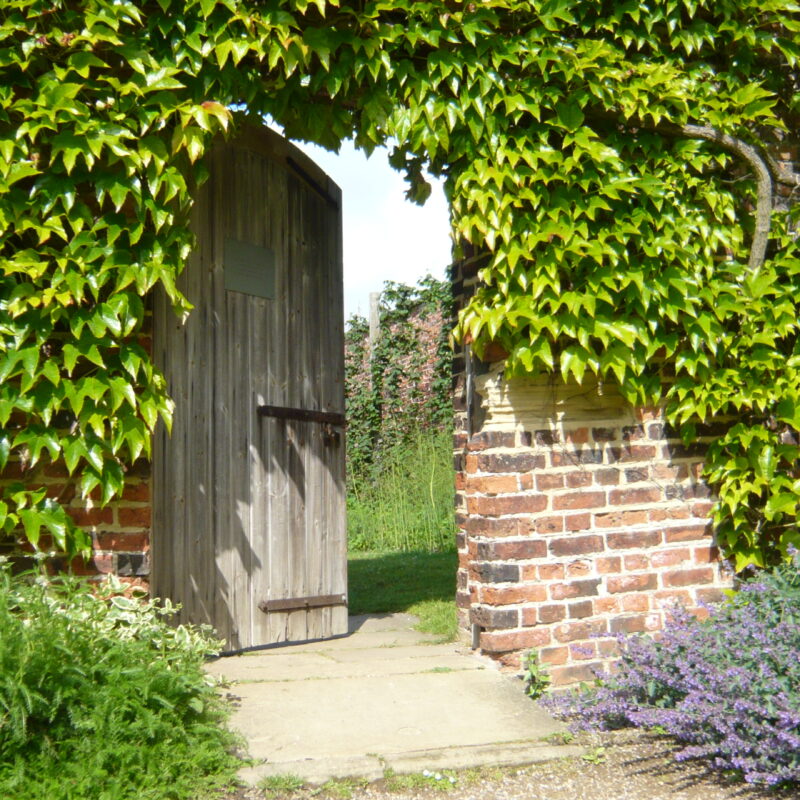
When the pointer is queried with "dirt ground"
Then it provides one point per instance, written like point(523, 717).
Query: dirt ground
point(626, 765)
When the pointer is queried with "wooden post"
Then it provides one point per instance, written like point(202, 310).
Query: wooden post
point(374, 321)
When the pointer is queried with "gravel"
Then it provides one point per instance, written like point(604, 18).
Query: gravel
point(625, 765)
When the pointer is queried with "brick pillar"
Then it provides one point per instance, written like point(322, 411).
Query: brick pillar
point(578, 516)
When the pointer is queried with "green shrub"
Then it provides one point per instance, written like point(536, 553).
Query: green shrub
point(101, 698)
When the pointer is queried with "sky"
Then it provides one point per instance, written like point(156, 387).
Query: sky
point(385, 236)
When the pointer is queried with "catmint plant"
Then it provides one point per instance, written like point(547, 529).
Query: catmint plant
point(727, 687)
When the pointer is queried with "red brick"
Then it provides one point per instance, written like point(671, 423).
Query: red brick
point(505, 550)
point(577, 436)
point(134, 517)
point(550, 613)
point(636, 602)
point(668, 558)
point(136, 492)
point(575, 500)
point(575, 673)
point(689, 577)
point(56, 470)
point(549, 524)
point(606, 565)
point(702, 508)
point(705, 555)
point(607, 477)
point(583, 651)
point(97, 564)
point(575, 545)
point(633, 539)
point(122, 542)
point(579, 569)
point(87, 517)
point(624, 497)
point(511, 595)
point(553, 655)
point(608, 648)
point(547, 482)
point(530, 572)
point(686, 533)
point(509, 662)
point(710, 595)
point(486, 439)
point(605, 605)
point(580, 610)
point(670, 473)
point(675, 512)
point(575, 631)
point(471, 463)
point(460, 481)
point(502, 642)
point(637, 624)
point(481, 526)
point(585, 588)
point(632, 433)
point(517, 461)
point(620, 519)
point(637, 561)
point(604, 434)
point(577, 480)
point(631, 583)
point(550, 572)
point(669, 597)
point(515, 504)
point(578, 522)
point(529, 616)
point(492, 484)
point(526, 481)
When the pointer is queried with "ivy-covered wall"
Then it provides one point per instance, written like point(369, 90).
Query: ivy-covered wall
point(617, 162)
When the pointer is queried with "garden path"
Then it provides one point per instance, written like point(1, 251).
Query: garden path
point(382, 697)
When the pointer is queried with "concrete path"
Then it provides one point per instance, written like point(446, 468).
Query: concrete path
point(383, 697)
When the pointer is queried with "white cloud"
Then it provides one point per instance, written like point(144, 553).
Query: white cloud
point(385, 236)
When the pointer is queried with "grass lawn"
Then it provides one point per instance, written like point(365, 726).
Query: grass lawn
point(417, 583)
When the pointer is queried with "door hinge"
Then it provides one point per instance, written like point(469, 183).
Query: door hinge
point(300, 603)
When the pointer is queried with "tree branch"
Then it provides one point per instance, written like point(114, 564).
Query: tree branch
point(763, 213)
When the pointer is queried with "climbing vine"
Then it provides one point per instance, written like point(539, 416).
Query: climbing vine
point(617, 160)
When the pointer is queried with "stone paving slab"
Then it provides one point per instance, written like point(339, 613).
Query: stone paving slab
point(385, 696)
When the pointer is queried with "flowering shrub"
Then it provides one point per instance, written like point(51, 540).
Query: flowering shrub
point(727, 687)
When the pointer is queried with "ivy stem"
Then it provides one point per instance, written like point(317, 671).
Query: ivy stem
point(763, 213)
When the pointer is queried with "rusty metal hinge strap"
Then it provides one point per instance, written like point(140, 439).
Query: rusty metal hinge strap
point(300, 603)
point(302, 414)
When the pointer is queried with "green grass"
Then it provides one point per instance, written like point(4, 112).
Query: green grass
point(406, 503)
point(423, 584)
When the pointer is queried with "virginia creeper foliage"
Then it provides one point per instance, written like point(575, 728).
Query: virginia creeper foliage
point(613, 158)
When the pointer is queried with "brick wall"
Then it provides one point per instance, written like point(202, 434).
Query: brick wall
point(578, 517)
point(120, 531)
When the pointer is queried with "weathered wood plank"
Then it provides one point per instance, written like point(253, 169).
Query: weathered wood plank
point(250, 509)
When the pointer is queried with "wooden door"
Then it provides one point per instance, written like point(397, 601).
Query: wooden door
point(248, 516)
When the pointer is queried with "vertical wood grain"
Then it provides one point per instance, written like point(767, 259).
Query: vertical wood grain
point(250, 508)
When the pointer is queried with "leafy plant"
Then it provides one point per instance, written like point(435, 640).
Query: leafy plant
point(279, 785)
point(535, 676)
point(617, 164)
point(402, 386)
point(100, 697)
point(727, 687)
